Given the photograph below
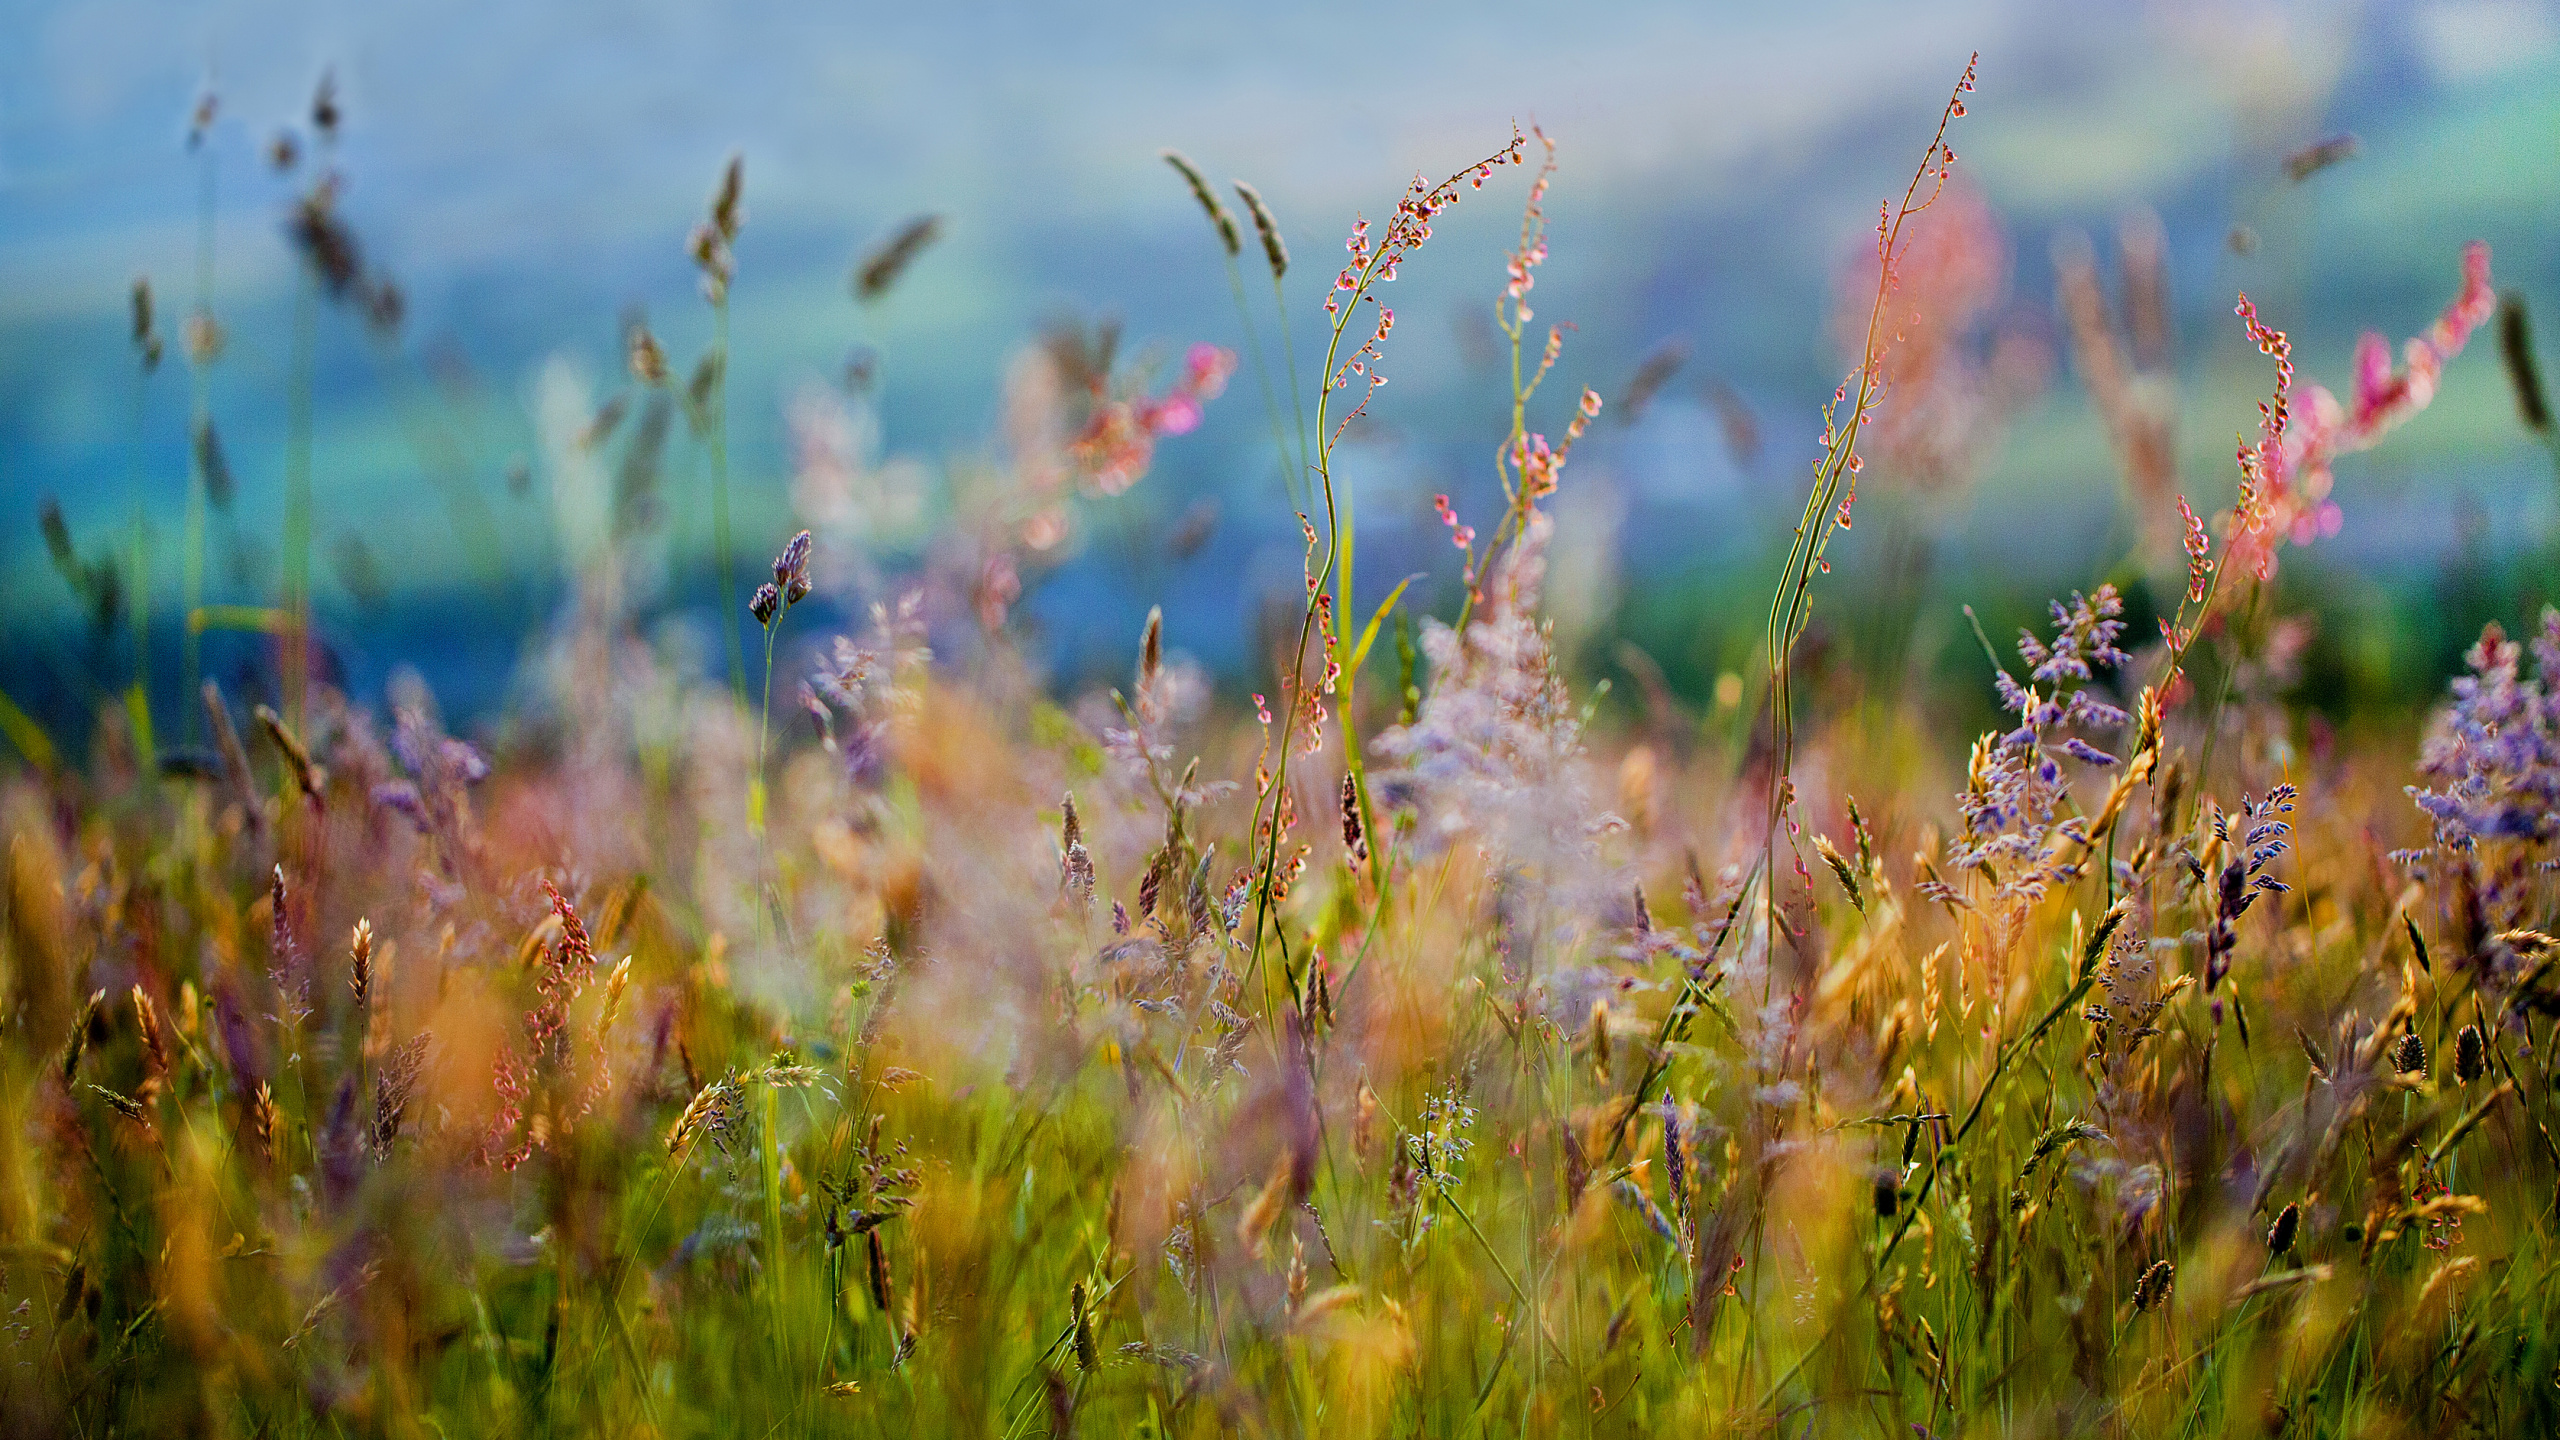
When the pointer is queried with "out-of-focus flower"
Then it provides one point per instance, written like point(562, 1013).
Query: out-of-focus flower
point(1956, 372)
point(2016, 788)
point(1117, 444)
point(2289, 493)
point(2495, 752)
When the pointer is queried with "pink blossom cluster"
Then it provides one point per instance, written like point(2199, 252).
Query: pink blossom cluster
point(1536, 464)
point(1118, 441)
point(1375, 261)
point(2286, 476)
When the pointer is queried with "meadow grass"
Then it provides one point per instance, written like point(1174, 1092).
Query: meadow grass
point(955, 1059)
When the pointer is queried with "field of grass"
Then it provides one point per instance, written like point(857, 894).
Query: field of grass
point(1403, 1042)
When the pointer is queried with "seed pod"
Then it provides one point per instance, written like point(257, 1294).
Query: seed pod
point(2153, 1288)
point(2280, 1235)
point(360, 952)
point(1087, 1356)
point(1355, 835)
point(879, 1273)
point(2470, 1055)
point(2409, 1055)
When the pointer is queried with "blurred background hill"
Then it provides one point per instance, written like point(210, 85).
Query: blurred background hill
point(528, 176)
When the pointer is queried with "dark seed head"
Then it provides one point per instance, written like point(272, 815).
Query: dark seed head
point(2153, 1288)
point(2280, 1234)
point(766, 604)
point(2470, 1055)
point(2409, 1056)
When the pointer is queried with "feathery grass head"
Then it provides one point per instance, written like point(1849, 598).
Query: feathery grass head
point(1219, 218)
point(1275, 250)
point(877, 273)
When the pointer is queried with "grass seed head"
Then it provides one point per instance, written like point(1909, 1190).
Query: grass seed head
point(1219, 218)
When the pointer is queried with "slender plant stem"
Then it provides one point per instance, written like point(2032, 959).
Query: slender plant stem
point(723, 546)
point(297, 494)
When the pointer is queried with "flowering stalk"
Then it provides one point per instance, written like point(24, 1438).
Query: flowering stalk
point(1835, 474)
point(1524, 463)
point(711, 248)
point(203, 342)
point(1230, 246)
point(1372, 263)
point(788, 587)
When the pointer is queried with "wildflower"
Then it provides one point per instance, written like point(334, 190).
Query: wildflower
point(2494, 753)
point(2242, 879)
point(2286, 475)
point(2011, 806)
point(712, 1114)
point(789, 586)
point(393, 1088)
point(1375, 260)
point(1117, 444)
point(1075, 864)
point(1957, 371)
point(1491, 755)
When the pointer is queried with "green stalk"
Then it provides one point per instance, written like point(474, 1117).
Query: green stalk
point(137, 694)
point(722, 545)
point(1290, 480)
point(764, 730)
point(1289, 361)
point(770, 1120)
point(199, 417)
point(297, 493)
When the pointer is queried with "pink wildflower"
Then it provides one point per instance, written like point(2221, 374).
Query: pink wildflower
point(2286, 475)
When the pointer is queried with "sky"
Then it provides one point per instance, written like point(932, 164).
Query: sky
point(529, 173)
